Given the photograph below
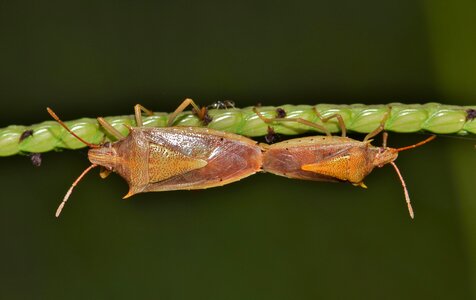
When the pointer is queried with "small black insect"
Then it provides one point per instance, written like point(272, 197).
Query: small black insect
point(272, 137)
point(222, 104)
point(203, 115)
point(25, 134)
point(280, 113)
point(207, 119)
point(470, 114)
point(35, 159)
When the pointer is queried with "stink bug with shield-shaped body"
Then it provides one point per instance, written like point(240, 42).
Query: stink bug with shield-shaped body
point(170, 158)
point(331, 158)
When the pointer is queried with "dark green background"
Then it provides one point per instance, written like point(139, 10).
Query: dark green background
point(264, 237)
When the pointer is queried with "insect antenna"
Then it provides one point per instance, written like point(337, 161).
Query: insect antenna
point(52, 113)
point(417, 144)
point(405, 191)
point(68, 193)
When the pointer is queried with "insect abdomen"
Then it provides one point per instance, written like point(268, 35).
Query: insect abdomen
point(318, 159)
point(288, 162)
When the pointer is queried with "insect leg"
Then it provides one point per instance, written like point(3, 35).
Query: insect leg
point(339, 118)
point(181, 108)
point(298, 120)
point(138, 109)
point(385, 138)
point(104, 172)
point(229, 104)
point(113, 131)
point(380, 128)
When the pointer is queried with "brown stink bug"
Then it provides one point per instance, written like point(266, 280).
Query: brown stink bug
point(171, 158)
point(331, 158)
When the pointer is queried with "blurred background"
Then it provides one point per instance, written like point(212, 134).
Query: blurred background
point(264, 237)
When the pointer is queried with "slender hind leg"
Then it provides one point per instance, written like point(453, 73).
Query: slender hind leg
point(298, 120)
point(339, 118)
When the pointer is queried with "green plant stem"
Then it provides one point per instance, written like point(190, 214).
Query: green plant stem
point(432, 117)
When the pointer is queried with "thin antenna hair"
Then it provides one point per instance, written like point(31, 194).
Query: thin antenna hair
point(405, 191)
point(52, 113)
point(68, 193)
point(417, 144)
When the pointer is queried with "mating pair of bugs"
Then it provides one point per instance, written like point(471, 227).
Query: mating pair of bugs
point(189, 158)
